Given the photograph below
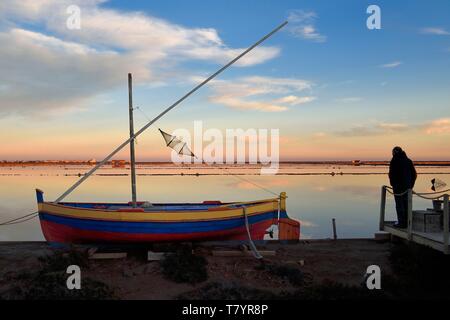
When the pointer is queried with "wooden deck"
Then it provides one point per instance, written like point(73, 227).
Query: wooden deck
point(436, 240)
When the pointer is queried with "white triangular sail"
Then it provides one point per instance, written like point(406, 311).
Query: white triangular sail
point(177, 144)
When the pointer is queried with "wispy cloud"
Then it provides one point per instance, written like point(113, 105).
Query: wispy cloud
point(435, 31)
point(52, 68)
point(295, 100)
point(302, 25)
point(393, 64)
point(319, 135)
point(266, 94)
point(381, 128)
point(438, 126)
point(349, 99)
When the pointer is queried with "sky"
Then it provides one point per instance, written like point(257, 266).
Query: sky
point(334, 88)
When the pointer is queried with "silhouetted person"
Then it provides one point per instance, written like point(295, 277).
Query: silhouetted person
point(402, 176)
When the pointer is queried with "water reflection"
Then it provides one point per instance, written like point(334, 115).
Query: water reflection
point(353, 200)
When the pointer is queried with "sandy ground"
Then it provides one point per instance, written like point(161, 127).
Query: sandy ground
point(344, 261)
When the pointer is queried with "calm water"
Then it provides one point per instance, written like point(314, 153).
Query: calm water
point(352, 198)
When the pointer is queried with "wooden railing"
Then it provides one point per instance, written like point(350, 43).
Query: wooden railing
point(409, 230)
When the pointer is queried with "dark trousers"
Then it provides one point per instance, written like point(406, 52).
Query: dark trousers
point(401, 205)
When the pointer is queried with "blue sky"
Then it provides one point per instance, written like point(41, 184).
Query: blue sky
point(335, 89)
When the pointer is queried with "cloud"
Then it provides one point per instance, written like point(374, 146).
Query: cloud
point(391, 65)
point(435, 31)
point(295, 100)
point(438, 126)
point(320, 135)
point(44, 74)
point(302, 25)
point(349, 99)
point(434, 127)
point(260, 93)
point(381, 128)
point(238, 103)
point(392, 127)
point(56, 68)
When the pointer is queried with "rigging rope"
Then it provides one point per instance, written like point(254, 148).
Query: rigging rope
point(20, 219)
point(248, 181)
point(224, 169)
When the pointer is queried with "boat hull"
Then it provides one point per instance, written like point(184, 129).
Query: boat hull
point(120, 223)
point(62, 233)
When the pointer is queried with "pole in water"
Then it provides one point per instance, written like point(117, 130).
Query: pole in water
point(132, 158)
point(334, 229)
point(123, 144)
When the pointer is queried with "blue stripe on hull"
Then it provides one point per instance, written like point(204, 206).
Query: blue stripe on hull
point(157, 227)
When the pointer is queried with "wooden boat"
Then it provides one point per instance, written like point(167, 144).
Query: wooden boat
point(76, 222)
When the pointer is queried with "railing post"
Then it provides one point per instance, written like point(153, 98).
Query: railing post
point(382, 207)
point(446, 224)
point(410, 217)
point(333, 222)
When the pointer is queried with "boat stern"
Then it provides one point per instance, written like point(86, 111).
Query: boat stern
point(288, 229)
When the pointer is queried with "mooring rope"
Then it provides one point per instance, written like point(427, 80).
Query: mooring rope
point(255, 252)
point(388, 189)
point(429, 193)
point(419, 194)
point(20, 219)
point(428, 198)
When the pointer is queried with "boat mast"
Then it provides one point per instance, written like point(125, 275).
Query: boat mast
point(132, 137)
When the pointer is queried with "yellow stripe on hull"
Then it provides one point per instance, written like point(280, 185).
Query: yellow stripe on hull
point(252, 208)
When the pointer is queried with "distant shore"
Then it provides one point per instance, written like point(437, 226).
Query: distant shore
point(118, 163)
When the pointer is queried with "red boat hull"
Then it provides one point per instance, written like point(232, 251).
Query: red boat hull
point(55, 232)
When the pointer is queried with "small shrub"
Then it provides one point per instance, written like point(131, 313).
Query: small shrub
point(294, 275)
point(183, 266)
point(49, 281)
point(60, 260)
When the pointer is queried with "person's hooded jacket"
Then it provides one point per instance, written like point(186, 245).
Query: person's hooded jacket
point(402, 173)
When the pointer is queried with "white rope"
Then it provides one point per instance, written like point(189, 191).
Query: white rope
point(428, 198)
point(428, 193)
point(255, 252)
point(419, 194)
point(388, 189)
